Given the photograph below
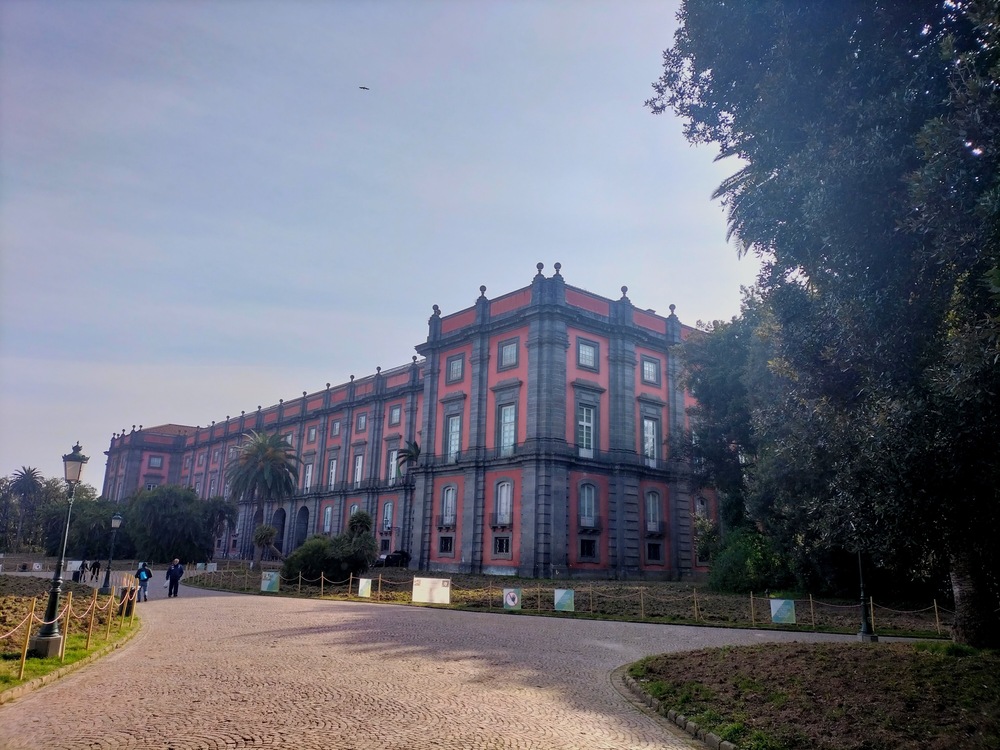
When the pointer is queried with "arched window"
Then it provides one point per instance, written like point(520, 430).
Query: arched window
point(588, 506)
point(701, 507)
point(654, 518)
point(504, 506)
point(387, 517)
point(448, 505)
point(354, 509)
point(327, 519)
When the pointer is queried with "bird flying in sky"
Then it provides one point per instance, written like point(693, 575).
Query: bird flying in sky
point(364, 88)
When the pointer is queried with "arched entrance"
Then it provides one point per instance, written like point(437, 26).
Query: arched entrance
point(278, 522)
point(301, 527)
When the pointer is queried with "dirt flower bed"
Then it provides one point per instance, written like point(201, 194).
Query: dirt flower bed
point(16, 593)
point(834, 696)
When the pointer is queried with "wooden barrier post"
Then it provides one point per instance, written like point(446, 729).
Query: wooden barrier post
point(27, 639)
point(299, 589)
point(871, 606)
point(591, 598)
point(321, 588)
point(379, 597)
point(937, 620)
point(246, 578)
point(489, 595)
point(812, 611)
point(753, 618)
point(111, 614)
point(642, 604)
point(135, 594)
point(350, 585)
point(538, 597)
point(695, 592)
point(93, 616)
point(69, 613)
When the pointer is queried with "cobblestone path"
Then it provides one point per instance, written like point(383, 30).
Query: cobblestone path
point(212, 671)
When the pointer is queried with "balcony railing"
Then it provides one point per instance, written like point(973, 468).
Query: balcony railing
point(501, 520)
point(654, 528)
point(590, 524)
point(446, 521)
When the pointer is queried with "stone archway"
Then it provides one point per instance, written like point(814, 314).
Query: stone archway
point(278, 522)
point(301, 527)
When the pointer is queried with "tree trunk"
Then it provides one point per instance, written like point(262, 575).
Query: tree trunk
point(977, 619)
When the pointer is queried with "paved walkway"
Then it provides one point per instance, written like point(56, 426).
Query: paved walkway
point(212, 671)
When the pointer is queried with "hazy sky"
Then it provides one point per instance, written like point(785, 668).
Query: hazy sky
point(201, 211)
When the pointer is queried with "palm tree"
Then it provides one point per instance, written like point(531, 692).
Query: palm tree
point(26, 486)
point(265, 471)
point(263, 538)
point(408, 456)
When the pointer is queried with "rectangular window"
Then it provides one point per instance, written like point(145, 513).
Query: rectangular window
point(588, 549)
point(289, 438)
point(393, 466)
point(335, 428)
point(650, 370)
point(307, 478)
point(332, 473)
point(151, 486)
point(156, 462)
point(650, 431)
point(232, 451)
point(501, 546)
point(201, 459)
point(508, 429)
point(446, 545)
point(197, 487)
point(395, 415)
point(359, 461)
point(586, 354)
point(454, 437)
point(507, 354)
point(187, 462)
point(311, 435)
point(585, 430)
point(212, 485)
point(654, 552)
point(327, 519)
point(455, 368)
point(387, 517)
point(216, 455)
point(361, 423)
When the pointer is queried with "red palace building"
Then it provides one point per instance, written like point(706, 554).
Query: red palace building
point(543, 419)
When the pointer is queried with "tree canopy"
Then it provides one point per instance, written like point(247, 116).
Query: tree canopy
point(869, 186)
point(265, 469)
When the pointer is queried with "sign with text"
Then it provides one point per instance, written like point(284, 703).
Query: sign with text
point(365, 588)
point(432, 590)
point(269, 581)
point(564, 600)
point(783, 611)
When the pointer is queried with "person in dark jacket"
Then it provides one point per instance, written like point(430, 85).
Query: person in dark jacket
point(142, 575)
point(174, 573)
point(95, 570)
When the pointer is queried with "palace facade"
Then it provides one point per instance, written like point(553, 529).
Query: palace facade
point(543, 419)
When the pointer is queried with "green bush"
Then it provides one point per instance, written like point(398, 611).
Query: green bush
point(338, 558)
point(746, 562)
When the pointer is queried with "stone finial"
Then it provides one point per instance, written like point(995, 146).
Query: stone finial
point(243, 412)
point(539, 266)
point(352, 377)
point(414, 359)
point(258, 407)
point(213, 424)
point(328, 386)
point(482, 291)
point(133, 428)
point(437, 311)
point(140, 430)
point(558, 267)
point(672, 308)
point(378, 370)
point(281, 400)
point(227, 417)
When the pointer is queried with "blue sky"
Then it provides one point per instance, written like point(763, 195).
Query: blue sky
point(202, 212)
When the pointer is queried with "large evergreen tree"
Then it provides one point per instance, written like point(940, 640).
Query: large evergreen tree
point(868, 136)
point(265, 472)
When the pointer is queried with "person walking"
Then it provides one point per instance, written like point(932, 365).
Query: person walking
point(143, 574)
point(174, 573)
point(95, 570)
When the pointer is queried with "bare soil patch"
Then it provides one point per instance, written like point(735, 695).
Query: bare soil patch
point(834, 696)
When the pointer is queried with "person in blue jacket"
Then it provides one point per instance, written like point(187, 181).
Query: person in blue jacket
point(143, 574)
point(174, 573)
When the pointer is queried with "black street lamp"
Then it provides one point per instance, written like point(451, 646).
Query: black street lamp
point(48, 642)
point(866, 633)
point(116, 522)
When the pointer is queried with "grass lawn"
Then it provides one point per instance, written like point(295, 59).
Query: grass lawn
point(850, 696)
point(16, 593)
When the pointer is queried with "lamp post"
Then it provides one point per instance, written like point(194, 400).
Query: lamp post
point(116, 522)
point(866, 633)
point(48, 642)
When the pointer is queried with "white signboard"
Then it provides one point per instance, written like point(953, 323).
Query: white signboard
point(432, 590)
point(365, 588)
point(212, 567)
